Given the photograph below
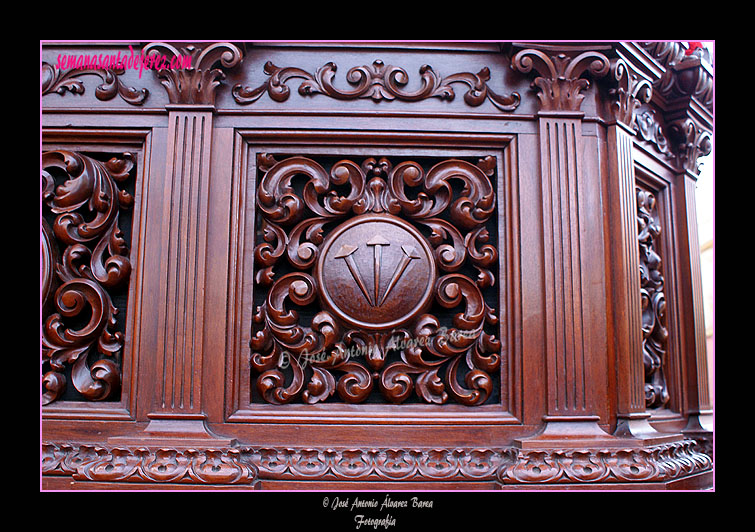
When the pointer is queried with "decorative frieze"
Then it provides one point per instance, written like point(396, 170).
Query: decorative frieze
point(247, 465)
point(377, 82)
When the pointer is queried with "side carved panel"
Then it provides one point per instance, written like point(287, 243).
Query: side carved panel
point(85, 267)
point(391, 262)
point(655, 334)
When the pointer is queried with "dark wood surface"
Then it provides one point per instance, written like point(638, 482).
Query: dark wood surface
point(429, 266)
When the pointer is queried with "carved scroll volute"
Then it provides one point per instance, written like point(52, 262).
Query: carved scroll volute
point(197, 83)
point(79, 316)
point(560, 84)
point(628, 93)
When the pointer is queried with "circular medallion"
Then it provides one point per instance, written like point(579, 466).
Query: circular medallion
point(376, 271)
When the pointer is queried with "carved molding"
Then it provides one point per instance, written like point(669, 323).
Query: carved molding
point(164, 465)
point(653, 464)
point(378, 82)
point(55, 80)
point(245, 465)
point(197, 84)
point(362, 319)
point(79, 316)
point(560, 82)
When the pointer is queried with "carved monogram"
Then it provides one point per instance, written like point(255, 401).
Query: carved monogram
point(378, 82)
point(84, 259)
point(373, 267)
point(653, 298)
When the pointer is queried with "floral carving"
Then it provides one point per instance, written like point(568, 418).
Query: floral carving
point(79, 315)
point(560, 84)
point(196, 84)
point(62, 81)
point(689, 143)
point(440, 362)
point(653, 300)
point(648, 128)
point(378, 82)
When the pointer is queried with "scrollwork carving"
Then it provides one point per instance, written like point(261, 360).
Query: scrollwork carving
point(628, 93)
point(79, 320)
point(62, 81)
point(301, 201)
point(377, 82)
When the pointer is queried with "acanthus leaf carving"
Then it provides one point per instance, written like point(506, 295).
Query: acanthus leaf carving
point(197, 83)
point(560, 82)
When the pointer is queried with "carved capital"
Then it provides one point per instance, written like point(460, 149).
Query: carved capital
point(689, 143)
point(197, 83)
point(560, 83)
point(628, 92)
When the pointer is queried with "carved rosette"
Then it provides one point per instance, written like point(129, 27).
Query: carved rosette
point(376, 268)
point(653, 301)
point(55, 80)
point(84, 258)
point(196, 84)
point(247, 465)
point(560, 84)
point(377, 82)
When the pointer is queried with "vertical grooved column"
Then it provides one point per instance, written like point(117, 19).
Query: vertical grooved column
point(560, 139)
point(183, 260)
point(626, 273)
point(698, 395)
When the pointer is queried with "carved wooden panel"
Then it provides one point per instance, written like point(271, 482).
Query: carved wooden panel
point(373, 278)
point(85, 272)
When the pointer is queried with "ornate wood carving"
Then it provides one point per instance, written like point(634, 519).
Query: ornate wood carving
point(378, 82)
point(649, 129)
point(685, 75)
point(373, 278)
point(560, 84)
point(197, 84)
point(84, 257)
point(248, 464)
point(55, 80)
point(165, 465)
point(653, 301)
point(689, 143)
point(630, 91)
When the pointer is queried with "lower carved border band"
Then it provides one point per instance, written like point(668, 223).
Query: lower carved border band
point(246, 465)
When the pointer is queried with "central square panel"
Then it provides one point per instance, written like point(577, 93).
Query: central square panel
point(375, 280)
